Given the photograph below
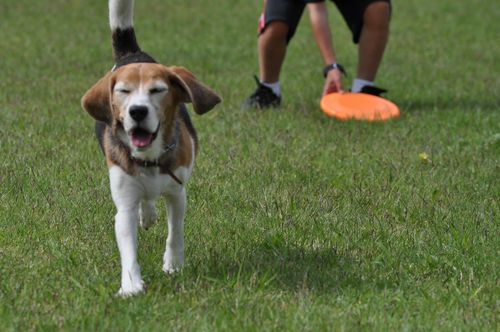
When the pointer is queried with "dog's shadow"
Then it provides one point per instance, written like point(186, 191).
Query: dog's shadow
point(275, 265)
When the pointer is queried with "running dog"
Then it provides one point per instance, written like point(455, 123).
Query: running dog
point(149, 142)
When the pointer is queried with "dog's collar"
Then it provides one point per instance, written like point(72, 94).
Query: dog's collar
point(157, 162)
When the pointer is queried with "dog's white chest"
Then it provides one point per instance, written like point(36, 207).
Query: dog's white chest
point(149, 184)
point(155, 183)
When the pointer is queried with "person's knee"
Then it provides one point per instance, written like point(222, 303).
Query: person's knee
point(276, 30)
point(377, 16)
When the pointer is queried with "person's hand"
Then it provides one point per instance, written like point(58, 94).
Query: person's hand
point(333, 82)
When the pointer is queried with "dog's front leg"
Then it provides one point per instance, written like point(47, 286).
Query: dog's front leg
point(126, 237)
point(174, 253)
point(126, 196)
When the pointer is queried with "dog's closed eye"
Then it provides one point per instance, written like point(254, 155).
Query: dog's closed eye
point(123, 91)
point(156, 90)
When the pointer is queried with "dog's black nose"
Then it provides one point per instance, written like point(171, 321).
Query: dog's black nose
point(138, 113)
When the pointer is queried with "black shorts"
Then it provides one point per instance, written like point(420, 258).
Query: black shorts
point(290, 11)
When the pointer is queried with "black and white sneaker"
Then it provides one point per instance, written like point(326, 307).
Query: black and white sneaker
point(262, 98)
point(373, 90)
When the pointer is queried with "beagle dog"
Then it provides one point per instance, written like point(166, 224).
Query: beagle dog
point(148, 140)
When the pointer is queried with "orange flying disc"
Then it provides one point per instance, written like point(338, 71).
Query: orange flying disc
point(358, 106)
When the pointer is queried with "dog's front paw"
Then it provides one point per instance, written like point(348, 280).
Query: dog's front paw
point(173, 262)
point(147, 215)
point(131, 289)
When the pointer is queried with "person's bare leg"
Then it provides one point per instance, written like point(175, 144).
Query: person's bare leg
point(272, 49)
point(373, 39)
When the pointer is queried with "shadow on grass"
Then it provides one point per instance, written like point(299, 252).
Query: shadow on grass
point(287, 268)
point(471, 103)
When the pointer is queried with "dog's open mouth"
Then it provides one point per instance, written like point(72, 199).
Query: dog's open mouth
point(142, 138)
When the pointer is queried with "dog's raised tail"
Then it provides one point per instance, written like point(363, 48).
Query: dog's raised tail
point(121, 14)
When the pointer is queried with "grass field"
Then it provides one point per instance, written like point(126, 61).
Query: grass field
point(295, 222)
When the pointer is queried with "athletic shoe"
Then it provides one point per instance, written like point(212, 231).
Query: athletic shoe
point(373, 90)
point(262, 98)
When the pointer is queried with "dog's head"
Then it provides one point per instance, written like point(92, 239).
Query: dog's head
point(141, 99)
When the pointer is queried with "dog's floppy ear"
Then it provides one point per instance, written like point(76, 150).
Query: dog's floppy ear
point(97, 100)
point(193, 91)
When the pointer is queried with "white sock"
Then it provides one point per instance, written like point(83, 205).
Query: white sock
point(359, 83)
point(273, 86)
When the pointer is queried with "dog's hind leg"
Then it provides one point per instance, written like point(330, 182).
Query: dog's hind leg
point(173, 260)
point(147, 214)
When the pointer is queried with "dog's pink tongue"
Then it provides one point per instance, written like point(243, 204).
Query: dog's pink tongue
point(141, 139)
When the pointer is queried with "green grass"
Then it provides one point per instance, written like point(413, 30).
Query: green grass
point(296, 222)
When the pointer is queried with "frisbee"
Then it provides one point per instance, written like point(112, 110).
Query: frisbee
point(358, 106)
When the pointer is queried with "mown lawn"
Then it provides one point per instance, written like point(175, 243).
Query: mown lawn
point(296, 222)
